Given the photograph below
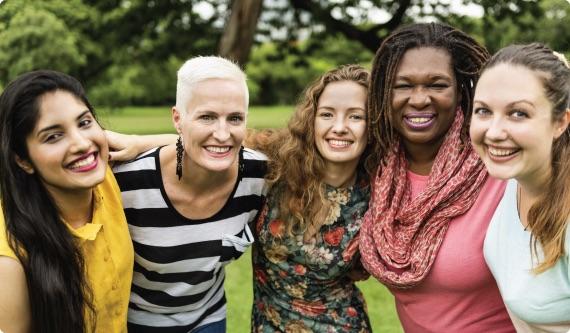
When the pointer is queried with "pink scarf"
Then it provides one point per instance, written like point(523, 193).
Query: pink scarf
point(401, 236)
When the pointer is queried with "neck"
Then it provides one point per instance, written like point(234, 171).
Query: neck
point(75, 207)
point(535, 184)
point(531, 188)
point(194, 177)
point(340, 175)
point(421, 156)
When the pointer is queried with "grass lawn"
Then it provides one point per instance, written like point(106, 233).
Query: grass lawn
point(153, 120)
point(149, 120)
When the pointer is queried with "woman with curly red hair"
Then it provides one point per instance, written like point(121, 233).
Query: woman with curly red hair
point(307, 234)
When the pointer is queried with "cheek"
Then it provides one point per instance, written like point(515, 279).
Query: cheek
point(101, 140)
point(44, 158)
point(361, 134)
point(239, 133)
point(476, 131)
point(398, 101)
point(320, 129)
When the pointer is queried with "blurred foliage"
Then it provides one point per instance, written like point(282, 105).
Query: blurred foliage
point(126, 52)
point(278, 75)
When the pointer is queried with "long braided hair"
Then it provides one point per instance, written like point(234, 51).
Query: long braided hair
point(467, 56)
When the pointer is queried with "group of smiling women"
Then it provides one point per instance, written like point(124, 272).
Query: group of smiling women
point(444, 173)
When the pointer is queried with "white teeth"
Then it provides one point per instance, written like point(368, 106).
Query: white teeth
point(501, 152)
point(340, 143)
point(419, 120)
point(84, 162)
point(215, 149)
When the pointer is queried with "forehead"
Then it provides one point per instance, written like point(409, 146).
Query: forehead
point(425, 61)
point(514, 82)
point(58, 106)
point(213, 93)
point(343, 94)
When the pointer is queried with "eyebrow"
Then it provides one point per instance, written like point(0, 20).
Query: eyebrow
point(511, 104)
point(431, 77)
point(49, 128)
point(326, 107)
point(211, 112)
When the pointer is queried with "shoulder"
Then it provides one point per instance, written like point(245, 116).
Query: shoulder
point(254, 163)
point(145, 161)
point(251, 154)
point(5, 249)
point(14, 304)
point(143, 169)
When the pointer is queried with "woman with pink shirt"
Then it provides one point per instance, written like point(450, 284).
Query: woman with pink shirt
point(432, 199)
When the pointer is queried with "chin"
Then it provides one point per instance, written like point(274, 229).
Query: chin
point(500, 174)
point(218, 166)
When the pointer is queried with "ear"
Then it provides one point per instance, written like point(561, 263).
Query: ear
point(25, 165)
point(177, 119)
point(561, 125)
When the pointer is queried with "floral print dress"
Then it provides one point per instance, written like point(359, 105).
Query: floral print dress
point(303, 286)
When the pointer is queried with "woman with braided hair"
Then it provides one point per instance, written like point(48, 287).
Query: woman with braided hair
point(431, 199)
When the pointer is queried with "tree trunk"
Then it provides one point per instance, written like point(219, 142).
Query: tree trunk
point(237, 38)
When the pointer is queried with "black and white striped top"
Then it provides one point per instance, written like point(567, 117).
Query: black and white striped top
point(178, 281)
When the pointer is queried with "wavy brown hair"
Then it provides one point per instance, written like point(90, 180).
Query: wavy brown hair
point(467, 56)
point(548, 217)
point(296, 167)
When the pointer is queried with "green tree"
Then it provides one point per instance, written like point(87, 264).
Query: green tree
point(32, 36)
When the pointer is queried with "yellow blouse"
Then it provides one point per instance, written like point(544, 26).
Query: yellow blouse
point(108, 253)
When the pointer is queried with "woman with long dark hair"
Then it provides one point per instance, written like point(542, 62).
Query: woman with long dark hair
point(65, 254)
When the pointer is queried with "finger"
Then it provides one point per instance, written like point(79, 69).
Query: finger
point(118, 156)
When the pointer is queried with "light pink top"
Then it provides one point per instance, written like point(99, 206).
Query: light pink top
point(459, 294)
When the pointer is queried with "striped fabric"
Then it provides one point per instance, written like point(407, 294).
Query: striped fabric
point(178, 281)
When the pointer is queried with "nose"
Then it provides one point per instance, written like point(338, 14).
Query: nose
point(339, 125)
point(222, 131)
point(79, 142)
point(419, 98)
point(496, 130)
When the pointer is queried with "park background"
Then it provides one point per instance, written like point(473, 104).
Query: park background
point(126, 53)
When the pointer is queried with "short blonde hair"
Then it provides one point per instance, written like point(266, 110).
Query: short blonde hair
point(198, 69)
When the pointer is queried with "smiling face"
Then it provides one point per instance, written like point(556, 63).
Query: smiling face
point(424, 97)
point(67, 148)
point(512, 127)
point(340, 123)
point(213, 125)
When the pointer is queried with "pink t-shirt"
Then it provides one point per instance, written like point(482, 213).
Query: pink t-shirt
point(459, 294)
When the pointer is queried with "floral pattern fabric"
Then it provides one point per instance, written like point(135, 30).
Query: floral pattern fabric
point(302, 286)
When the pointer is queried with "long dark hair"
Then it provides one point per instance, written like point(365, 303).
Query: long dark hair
point(59, 296)
point(467, 56)
point(548, 217)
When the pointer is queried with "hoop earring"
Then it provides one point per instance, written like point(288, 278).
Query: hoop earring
point(179, 154)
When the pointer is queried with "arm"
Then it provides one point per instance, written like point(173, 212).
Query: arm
point(14, 301)
point(125, 147)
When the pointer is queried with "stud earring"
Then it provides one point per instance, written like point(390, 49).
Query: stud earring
point(179, 154)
